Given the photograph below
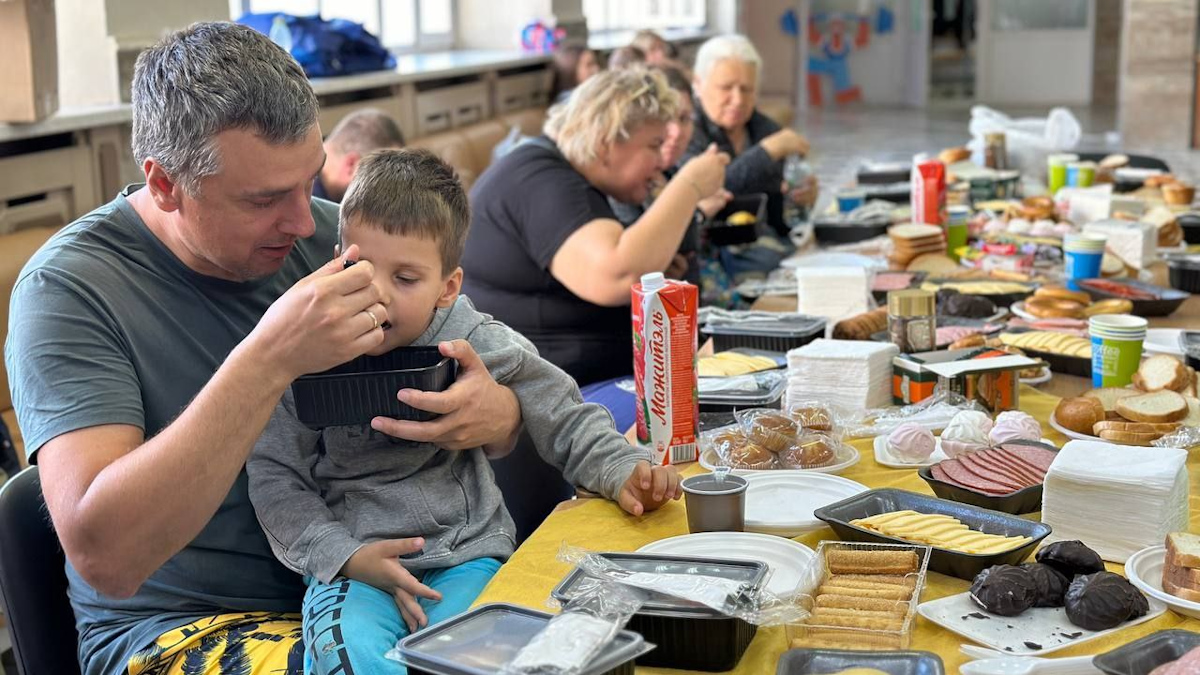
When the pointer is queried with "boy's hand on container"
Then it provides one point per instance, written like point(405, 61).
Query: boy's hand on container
point(648, 488)
point(378, 564)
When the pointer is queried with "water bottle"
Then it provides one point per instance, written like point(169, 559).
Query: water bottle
point(280, 33)
point(795, 170)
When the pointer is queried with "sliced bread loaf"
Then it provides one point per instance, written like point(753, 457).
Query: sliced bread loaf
point(1162, 371)
point(1158, 406)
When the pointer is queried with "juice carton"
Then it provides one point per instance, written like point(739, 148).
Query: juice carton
point(664, 368)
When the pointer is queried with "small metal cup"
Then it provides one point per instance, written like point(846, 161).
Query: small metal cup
point(715, 506)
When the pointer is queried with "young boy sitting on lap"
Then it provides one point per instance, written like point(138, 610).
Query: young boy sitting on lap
point(397, 535)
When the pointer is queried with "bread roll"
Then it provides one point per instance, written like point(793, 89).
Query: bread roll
point(1079, 414)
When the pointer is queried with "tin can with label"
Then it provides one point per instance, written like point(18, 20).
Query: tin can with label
point(995, 152)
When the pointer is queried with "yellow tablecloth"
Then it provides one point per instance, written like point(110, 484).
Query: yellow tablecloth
point(600, 525)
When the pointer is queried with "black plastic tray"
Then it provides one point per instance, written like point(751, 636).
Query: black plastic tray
point(688, 636)
point(1184, 272)
point(811, 661)
point(616, 659)
point(356, 392)
point(1168, 300)
point(720, 234)
point(961, 565)
point(1028, 500)
point(1144, 655)
point(1000, 300)
point(775, 339)
point(839, 231)
point(1189, 341)
point(1190, 222)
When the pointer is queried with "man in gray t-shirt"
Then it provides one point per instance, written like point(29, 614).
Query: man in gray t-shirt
point(151, 340)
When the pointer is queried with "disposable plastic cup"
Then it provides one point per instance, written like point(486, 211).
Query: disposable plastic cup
point(715, 505)
point(1116, 348)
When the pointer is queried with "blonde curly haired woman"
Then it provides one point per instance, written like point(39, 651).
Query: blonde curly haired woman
point(547, 255)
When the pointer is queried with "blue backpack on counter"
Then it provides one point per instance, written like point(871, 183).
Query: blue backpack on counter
point(323, 47)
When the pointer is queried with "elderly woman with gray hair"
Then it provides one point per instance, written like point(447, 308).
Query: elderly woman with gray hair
point(547, 255)
point(726, 80)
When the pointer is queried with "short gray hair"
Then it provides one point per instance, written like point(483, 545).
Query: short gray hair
point(364, 131)
point(724, 47)
point(209, 78)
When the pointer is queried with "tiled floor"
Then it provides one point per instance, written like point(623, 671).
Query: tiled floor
point(842, 138)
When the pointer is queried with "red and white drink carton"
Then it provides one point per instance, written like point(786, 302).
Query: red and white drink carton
point(928, 190)
point(664, 368)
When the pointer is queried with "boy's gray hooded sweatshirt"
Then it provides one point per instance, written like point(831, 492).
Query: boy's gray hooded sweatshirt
point(321, 495)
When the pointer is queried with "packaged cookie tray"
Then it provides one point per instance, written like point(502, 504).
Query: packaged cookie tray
point(812, 633)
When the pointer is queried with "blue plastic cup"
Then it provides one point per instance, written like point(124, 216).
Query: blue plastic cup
point(1083, 254)
point(850, 199)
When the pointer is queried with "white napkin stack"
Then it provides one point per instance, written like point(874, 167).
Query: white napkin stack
point(832, 292)
point(850, 374)
point(1116, 499)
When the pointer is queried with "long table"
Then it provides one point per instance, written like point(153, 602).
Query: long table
point(600, 525)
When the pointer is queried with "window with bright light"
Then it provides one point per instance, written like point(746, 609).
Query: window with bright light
point(603, 15)
point(402, 25)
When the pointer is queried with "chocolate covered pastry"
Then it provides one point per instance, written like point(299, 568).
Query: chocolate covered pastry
point(1103, 600)
point(1004, 590)
point(1051, 584)
point(1070, 558)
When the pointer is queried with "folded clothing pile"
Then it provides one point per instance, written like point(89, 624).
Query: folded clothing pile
point(832, 292)
point(1117, 499)
point(850, 374)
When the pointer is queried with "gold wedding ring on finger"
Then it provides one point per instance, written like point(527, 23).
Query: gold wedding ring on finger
point(374, 319)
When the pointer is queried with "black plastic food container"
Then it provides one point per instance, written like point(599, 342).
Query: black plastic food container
point(1184, 272)
point(1028, 500)
point(772, 335)
point(1190, 222)
point(1142, 656)
point(481, 640)
point(961, 565)
point(688, 636)
point(356, 392)
point(1166, 300)
point(721, 234)
point(841, 229)
point(806, 661)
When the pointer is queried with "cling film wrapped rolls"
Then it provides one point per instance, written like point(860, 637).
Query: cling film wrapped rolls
point(664, 368)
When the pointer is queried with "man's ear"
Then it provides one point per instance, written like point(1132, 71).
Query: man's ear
point(166, 193)
point(451, 289)
point(350, 164)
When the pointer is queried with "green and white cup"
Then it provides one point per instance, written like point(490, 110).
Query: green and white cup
point(1056, 171)
point(1116, 348)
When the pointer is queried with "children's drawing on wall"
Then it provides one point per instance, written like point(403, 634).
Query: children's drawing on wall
point(833, 33)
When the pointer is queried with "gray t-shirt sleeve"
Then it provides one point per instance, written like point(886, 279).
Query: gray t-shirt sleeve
point(303, 533)
point(68, 366)
point(577, 437)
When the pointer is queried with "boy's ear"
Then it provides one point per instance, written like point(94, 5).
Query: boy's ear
point(337, 250)
point(451, 289)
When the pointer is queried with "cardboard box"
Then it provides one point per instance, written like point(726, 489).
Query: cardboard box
point(29, 54)
point(989, 376)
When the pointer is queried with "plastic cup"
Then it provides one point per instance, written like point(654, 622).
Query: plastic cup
point(849, 199)
point(715, 505)
point(1116, 348)
point(1081, 174)
point(1056, 171)
point(1082, 254)
point(956, 229)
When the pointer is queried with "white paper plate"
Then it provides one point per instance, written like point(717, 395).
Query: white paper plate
point(1145, 569)
point(1040, 379)
point(786, 559)
point(1034, 632)
point(782, 502)
point(1072, 434)
point(845, 458)
point(1018, 308)
point(885, 458)
point(1163, 341)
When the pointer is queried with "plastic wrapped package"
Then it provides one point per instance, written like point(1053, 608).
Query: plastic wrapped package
point(933, 413)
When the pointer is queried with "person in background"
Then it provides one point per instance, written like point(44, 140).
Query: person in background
point(360, 132)
point(572, 65)
point(546, 254)
point(687, 265)
point(152, 340)
point(658, 51)
point(626, 57)
point(407, 212)
point(726, 79)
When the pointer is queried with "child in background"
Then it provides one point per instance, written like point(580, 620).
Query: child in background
point(394, 535)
